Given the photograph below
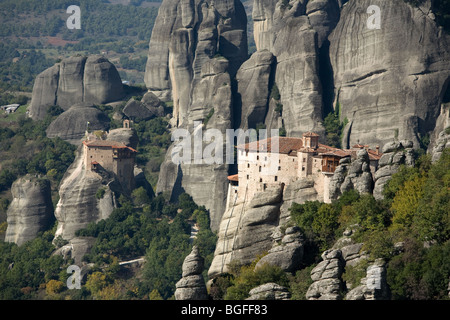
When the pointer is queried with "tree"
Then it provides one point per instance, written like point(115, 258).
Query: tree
point(140, 197)
point(406, 202)
point(53, 287)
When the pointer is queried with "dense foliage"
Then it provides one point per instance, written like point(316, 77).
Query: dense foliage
point(158, 231)
point(416, 212)
point(26, 149)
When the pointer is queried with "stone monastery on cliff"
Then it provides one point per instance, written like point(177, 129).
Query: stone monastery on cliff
point(298, 158)
point(112, 156)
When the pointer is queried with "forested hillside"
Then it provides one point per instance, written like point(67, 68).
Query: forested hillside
point(34, 36)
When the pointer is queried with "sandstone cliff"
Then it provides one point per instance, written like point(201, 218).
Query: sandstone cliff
point(75, 80)
point(30, 211)
point(389, 82)
point(195, 50)
point(72, 124)
point(78, 204)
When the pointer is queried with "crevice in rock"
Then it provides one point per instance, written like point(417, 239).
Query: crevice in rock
point(326, 78)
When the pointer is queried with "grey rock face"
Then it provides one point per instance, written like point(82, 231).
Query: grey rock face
point(352, 175)
point(253, 80)
point(374, 286)
point(245, 231)
point(126, 136)
point(195, 49)
point(326, 275)
point(395, 153)
point(269, 291)
point(78, 204)
point(192, 285)
point(299, 191)
point(71, 125)
point(78, 79)
point(385, 82)
point(185, 35)
point(294, 33)
point(30, 211)
point(207, 183)
point(288, 254)
point(440, 138)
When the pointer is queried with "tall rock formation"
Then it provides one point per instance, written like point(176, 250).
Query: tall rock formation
point(75, 80)
point(254, 80)
point(78, 204)
point(185, 35)
point(389, 82)
point(192, 285)
point(295, 32)
point(195, 50)
point(30, 211)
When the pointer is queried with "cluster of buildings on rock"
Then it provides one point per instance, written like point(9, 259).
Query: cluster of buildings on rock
point(112, 156)
point(297, 158)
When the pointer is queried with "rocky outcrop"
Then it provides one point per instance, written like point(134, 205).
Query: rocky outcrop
point(253, 84)
point(31, 209)
point(185, 35)
point(212, 108)
point(135, 109)
point(352, 175)
point(126, 136)
point(269, 291)
point(441, 135)
point(374, 286)
point(78, 79)
point(298, 191)
point(192, 285)
point(326, 275)
point(195, 50)
point(389, 82)
point(245, 230)
point(78, 204)
point(295, 32)
point(395, 153)
point(288, 253)
point(72, 124)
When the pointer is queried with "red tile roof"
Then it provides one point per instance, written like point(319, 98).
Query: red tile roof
point(107, 143)
point(285, 145)
point(288, 145)
point(234, 177)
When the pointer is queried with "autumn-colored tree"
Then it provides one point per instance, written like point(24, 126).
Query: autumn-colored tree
point(406, 202)
point(54, 287)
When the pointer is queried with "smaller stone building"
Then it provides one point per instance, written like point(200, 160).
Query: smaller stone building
point(112, 156)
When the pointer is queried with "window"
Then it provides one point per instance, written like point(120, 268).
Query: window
point(247, 177)
point(304, 159)
point(303, 168)
point(279, 168)
point(257, 157)
point(248, 165)
point(276, 178)
point(259, 168)
point(260, 179)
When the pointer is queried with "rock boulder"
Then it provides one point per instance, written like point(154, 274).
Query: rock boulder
point(30, 211)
